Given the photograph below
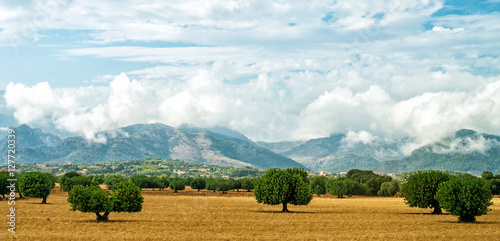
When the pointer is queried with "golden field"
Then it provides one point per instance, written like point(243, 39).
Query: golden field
point(192, 215)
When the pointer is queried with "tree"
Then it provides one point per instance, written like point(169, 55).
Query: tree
point(283, 186)
point(112, 180)
point(4, 183)
point(166, 182)
point(224, 185)
point(466, 197)
point(37, 185)
point(247, 184)
point(155, 182)
point(388, 189)
point(211, 184)
point(125, 198)
point(69, 183)
point(494, 182)
point(355, 188)
point(318, 185)
point(420, 189)
point(67, 175)
point(141, 181)
point(337, 187)
point(236, 184)
point(177, 184)
point(198, 183)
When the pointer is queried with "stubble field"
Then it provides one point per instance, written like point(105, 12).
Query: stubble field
point(192, 215)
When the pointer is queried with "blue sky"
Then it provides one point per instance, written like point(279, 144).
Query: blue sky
point(274, 70)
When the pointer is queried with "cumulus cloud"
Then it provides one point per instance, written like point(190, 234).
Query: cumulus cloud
point(273, 70)
point(465, 145)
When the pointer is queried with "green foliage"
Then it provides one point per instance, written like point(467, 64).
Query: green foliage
point(198, 183)
point(177, 184)
point(91, 199)
point(156, 182)
point(125, 198)
point(235, 184)
point(283, 186)
point(355, 188)
point(4, 183)
point(247, 184)
point(141, 181)
point(164, 179)
point(493, 180)
point(318, 185)
point(337, 187)
point(211, 184)
point(224, 185)
point(420, 189)
point(244, 172)
point(112, 181)
point(37, 185)
point(97, 178)
point(388, 189)
point(69, 183)
point(466, 197)
point(375, 183)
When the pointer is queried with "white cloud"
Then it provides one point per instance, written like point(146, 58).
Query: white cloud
point(359, 137)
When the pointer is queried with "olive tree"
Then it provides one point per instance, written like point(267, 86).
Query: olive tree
point(224, 185)
point(466, 197)
point(283, 186)
point(198, 183)
point(71, 182)
point(177, 184)
point(37, 185)
point(420, 189)
point(318, 185)
point(337, 187)
point(126, 197)
point(247, 184)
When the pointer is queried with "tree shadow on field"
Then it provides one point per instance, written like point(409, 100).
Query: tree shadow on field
point(112, 221)
point(300, 212)
point(430, 214)
point(478, 222)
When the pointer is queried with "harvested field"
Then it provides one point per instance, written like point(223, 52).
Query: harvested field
point(192, 215)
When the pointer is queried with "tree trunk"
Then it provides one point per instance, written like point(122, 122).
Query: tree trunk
point(285, 209)
point(21, 195)
point(102, 218)
point(44, 200)
point(437, 211)
point(198, 189)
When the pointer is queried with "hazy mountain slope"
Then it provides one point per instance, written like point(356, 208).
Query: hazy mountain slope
point(467, 151)
point(158, 141)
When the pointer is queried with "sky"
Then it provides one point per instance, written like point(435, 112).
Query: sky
point(273, 70)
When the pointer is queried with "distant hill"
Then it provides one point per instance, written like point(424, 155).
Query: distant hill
point(335, 154)
point(151, 141)
point(466, 151)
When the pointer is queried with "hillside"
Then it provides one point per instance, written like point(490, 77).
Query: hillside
point(466, 151)
point(152, 141)
point(335, 154)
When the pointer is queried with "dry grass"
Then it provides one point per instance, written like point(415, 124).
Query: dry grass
point(189, 215)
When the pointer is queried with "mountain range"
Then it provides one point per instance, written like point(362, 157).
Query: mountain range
point(139, 141)
point(466, 150)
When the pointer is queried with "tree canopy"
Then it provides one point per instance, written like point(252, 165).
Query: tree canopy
point(37, 185)
point(283, 186)
point(466, 197)
point(420, 189)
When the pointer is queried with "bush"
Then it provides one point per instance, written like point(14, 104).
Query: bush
point(466, 197)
